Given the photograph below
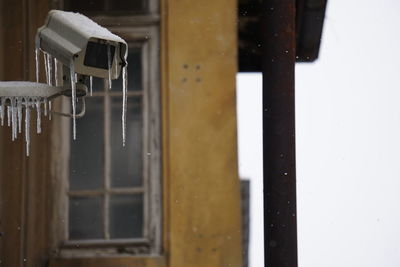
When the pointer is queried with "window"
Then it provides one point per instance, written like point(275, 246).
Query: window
point(111, 201)
point(106, 185)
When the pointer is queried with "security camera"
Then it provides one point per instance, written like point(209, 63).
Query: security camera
point(74, 39)
point(85, 49)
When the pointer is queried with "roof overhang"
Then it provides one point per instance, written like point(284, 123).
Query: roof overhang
point(310, 16)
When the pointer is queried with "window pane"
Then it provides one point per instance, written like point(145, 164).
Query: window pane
point(126, 162)
point(134, 71)
point(98, 7)
point(86, 159)
point(85, 6)
point(98, 84)
point(126, 6)
point(126, 216)
point(85, 218)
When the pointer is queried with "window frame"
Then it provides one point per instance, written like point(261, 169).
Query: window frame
point(147, 37)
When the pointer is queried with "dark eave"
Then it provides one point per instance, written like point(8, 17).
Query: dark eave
point(310, 16)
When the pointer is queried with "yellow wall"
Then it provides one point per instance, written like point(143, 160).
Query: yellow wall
point(201, 185)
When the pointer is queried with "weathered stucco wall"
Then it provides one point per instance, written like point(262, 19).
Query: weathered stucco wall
point(23, 186)
point(201, 185)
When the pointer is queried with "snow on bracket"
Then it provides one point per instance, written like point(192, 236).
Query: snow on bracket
point(16, 96)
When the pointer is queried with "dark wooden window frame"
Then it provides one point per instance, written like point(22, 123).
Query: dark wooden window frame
point(142, 30)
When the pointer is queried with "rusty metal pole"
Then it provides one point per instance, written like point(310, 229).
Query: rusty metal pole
point(279, 133)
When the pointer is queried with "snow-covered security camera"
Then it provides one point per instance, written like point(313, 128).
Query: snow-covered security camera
point(77, 41)
point(85, 49)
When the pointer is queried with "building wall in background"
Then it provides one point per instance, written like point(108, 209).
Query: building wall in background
point(201, 190)
point(23, 181)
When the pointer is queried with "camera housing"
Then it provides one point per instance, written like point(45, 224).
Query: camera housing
point(73, 38)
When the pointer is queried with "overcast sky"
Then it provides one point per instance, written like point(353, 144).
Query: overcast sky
point(249, 104)
point(348, 139)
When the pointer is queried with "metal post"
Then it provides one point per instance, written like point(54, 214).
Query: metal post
point(279, 133)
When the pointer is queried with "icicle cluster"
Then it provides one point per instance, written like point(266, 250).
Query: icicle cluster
point(12, 108)
point(124, 90)
point(49, 62)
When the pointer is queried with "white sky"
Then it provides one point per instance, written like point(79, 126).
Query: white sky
point(249, 106)
point(348, 141)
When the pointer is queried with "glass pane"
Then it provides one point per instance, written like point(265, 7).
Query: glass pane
point(85, 218)
point(126, 216)
point(98, 84)
point(106, 6)
point(126, 6)
point(126, 162)
point(134, 71)
point(86, 159)
point(85, 6)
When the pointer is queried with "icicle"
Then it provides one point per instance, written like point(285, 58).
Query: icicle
point(49, 110)
point(55, 72)
point(50, 67)
point(73, 99)
point(91, 85)
point(8, 116)
point(37, 63)
point(16, 117)
point(13, 117)
point(124, 102)
point(27, 125)
point(19, 108)
point(2, 111)
point(45, 106)
point(38, 119)
point(46, 67)
point(37, 57)
point(109, 65)
point(12, 110)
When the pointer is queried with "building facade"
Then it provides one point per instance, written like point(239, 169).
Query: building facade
point(172, 197)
